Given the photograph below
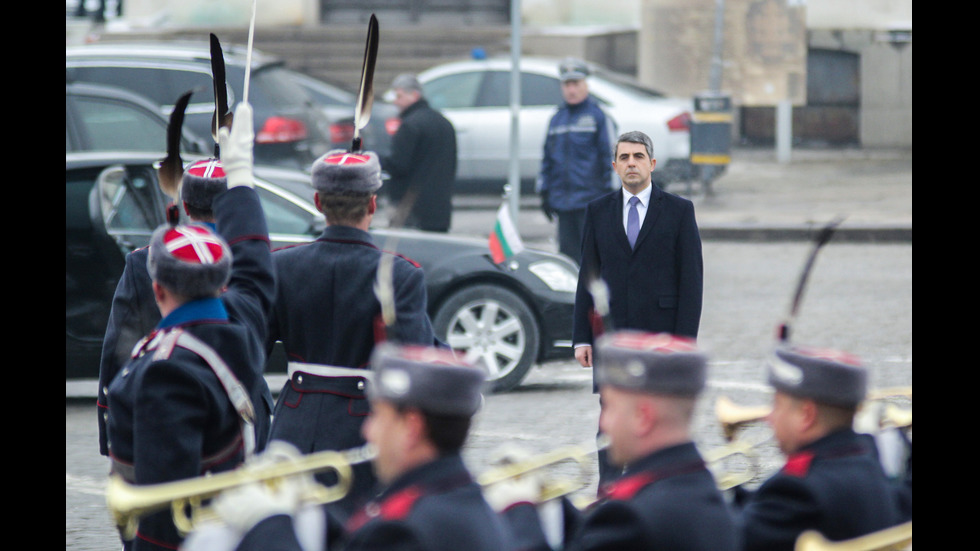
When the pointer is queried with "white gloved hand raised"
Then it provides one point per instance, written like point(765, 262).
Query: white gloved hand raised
point(236, 148)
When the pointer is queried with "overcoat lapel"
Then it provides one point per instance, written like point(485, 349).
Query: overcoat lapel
point(654, 209)
point(616, 218)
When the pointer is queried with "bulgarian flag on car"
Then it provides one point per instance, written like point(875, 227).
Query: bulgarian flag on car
point(505, 241)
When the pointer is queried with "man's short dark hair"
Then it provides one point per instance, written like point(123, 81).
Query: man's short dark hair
point(447, 433)
point(345, 208)
point(199, 214)
point(636, 136)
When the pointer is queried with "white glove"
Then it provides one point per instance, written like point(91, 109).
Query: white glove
point(243, 507)
point(236, 148)
point(523, 488)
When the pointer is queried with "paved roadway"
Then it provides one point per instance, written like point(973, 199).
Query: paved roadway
point(859, 299)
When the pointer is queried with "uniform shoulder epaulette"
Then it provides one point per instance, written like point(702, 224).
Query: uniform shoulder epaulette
point(290, 246)
point(400, 504)
point(626, 488)
point(395, 507)
point(405, 258)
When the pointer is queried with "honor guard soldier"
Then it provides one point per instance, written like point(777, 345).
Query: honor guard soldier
point(181, 407)
point(328, 317)
point(422, 404)
point(135, 313)
point(832, 480)
point(666, 498)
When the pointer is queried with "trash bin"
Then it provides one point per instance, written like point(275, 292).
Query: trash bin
point(711, 136)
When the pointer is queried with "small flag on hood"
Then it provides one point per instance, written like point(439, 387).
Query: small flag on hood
point(505, 241)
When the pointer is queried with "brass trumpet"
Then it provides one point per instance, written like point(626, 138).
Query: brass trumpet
point(726, 480)
point(734, 417)
point(552, 488)
point(889, 539)
point(129, 502)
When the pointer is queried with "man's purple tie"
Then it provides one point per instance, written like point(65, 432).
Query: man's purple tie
point(633, 222)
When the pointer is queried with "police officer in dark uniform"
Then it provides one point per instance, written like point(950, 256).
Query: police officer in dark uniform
point(329, 318)
point(666, 498)
point(423, 400)
point(134, 311)
point(181, 407)
point(832, 481)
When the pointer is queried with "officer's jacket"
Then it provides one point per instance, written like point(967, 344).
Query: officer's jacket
point(169, 417)
point(576, 165)
point(326, 310)
point(835, 485)
point(667, 500)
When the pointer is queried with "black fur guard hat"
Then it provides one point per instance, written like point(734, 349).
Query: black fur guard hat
point(826, 376)
point(190, 260)
point(202, 181)
point(430, 379)
point(340, 172)
point(655, 363)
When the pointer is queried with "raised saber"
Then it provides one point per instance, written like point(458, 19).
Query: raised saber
point(248, 54)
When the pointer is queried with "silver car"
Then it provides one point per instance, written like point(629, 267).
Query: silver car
point(475, 96)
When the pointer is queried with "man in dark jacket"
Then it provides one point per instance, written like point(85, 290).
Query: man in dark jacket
point(832, 481)
point(575, 166)
point(422, 163)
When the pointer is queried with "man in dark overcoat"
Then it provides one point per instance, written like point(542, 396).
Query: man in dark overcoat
point(422, 162)
point(642, 245)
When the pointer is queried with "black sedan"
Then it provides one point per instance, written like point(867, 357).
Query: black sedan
point(507, 316)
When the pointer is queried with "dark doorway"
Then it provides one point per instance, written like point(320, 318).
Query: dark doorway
point(832, 113)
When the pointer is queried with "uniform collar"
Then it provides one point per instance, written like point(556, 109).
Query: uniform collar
point(841, 437)
point(437, 472)
point(679, 453)
point(421, 103)
point(195, 310)
point(346, 233)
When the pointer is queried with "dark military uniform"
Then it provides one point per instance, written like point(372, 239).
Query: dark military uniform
point(169, 416)
point(667, 500)
point(435, 507)
point(834, 485)
point(326, 313)
point(133, 315)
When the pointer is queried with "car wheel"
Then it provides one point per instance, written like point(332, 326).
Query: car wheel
point(490, 325)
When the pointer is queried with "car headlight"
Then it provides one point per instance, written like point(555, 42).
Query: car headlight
point(555, 276)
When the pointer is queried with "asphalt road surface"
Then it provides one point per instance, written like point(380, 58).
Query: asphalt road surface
point(859, 299)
